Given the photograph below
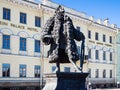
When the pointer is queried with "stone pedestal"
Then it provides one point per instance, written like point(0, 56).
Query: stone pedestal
point(65, 81)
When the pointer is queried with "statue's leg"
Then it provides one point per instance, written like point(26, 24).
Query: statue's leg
point(58, 66)
point(75, 66)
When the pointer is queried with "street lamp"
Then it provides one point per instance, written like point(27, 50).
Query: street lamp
point(118, 84)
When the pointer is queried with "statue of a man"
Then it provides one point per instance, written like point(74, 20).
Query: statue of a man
point(60, 33)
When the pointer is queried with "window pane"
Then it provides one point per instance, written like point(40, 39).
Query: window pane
point(6, 70)
point(53, 68)
point(89, 73)
point(97, 73)
point(104, 73)
point(23, 18)
point(37, 45)
point(111, 56)
point(6, 14)
point(6, 42)
point(37, 71)
point(96, 36)
point(37, 21)
point(22, 44)
point(104, 55)
point(110, 39)
point(104, 38)
point(67, 69)
point(78, 49)
point(89, 54)
point(89, 34)
point(97, 54)
point(110, 73)
point(22, 70)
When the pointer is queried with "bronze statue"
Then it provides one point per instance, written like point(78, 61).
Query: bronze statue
point(60, 33)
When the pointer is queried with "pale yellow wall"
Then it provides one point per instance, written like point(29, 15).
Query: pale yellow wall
point(15, 44)
point(15, 61)
point(0, 41)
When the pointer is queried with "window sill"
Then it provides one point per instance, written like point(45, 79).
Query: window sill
point(37, 54)
point(6, 19)
point(6, 51)
point(23, 53)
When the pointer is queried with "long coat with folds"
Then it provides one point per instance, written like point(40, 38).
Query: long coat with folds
point(60, 34)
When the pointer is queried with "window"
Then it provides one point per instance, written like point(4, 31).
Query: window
point(78, 28)
point(111, 56)
point(110, 73)
point(22, 44)
point(96, 36)
point(104, 38)
point(89, 54)
point(86, 57)
point(104, 73)
point(67, 69)
point(6, 70)
point(97, 54)
point(23, 18)
point(6, 42)
point(37, 71)
point(6, 14)
point(104, 55)
point(110, 39)
point(89, 71)
point(37, 21)
point(53, 68)
point(89, 34)
point(22, 70)
point(78, 49)
point(37, 45)
point(97, 73)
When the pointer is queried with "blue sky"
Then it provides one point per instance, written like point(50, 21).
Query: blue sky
point(98, 8)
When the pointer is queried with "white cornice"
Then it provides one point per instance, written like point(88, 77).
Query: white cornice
point(24, 3)
point(100, 26)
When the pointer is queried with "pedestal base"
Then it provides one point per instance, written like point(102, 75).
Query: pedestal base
point(65, 81)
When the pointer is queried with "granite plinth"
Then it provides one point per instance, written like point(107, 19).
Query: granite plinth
point(65, 81)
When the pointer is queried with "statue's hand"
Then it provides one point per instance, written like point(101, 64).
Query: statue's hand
point(47, 39)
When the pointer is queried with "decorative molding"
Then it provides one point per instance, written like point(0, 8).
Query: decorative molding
point(99, 43)
point(27, 4)
point(105, 49)
point(91, 41)
point(23, 34)
point(98, 47)
point(6, 31)
point(111, 50)
point(109, 45)
point(37, 36)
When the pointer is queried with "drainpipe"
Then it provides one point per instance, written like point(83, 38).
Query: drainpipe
point(42, 52)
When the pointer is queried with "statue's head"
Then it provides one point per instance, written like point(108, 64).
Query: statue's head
point(59, 13)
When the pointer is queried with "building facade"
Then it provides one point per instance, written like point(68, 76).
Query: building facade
point(101, 55)
point(23, 58)
point(118, 59)
point(20, 26)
